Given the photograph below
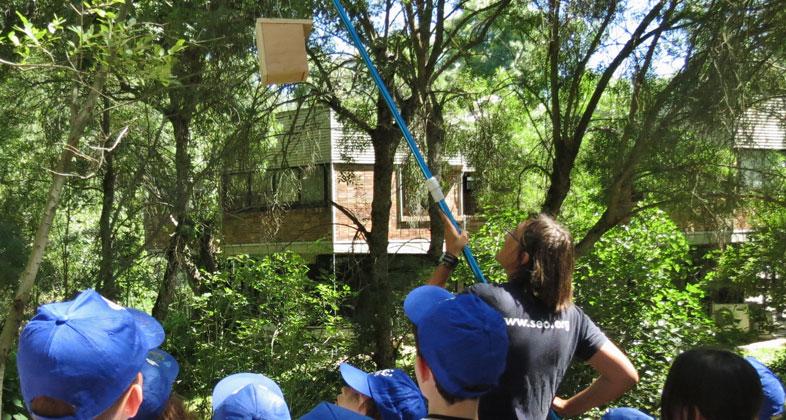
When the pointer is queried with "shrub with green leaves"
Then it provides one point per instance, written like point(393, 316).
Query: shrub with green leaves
point(757, 266)
point(629, 286)
point(266, 316)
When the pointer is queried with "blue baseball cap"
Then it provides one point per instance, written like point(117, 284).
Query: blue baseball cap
point(395, 394)
point(626, 413)
point(85, 352)
point(158, 373)
point(774, 397)
point(328, 411)
point(463, 340)
point(249, 396)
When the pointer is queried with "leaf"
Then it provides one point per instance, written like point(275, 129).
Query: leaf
point(24, 20)
point(179, 46)
point(14, 39)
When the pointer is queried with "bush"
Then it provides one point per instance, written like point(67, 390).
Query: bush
point(262, 316)
point(628, 286)
point(757, 266)
point(778, 365)
point(13, 406)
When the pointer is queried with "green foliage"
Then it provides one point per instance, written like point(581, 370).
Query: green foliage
point(95, 33)
point(13, 406)
point(263, 316)
point(13, 253)
point(757, 266)
point(778, 364)
point(635, 286)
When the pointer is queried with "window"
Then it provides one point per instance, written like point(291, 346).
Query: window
point(314, 186)
point(469, 191)
point(235, 192)
point(288, 187)
point(756, 164)
point(413, 196)
point(261, 189)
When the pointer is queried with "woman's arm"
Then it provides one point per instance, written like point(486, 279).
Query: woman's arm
point(454, 243)
point(617, 375)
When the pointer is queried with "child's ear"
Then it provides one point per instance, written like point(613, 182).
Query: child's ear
point(423, 371)
point(133, 397)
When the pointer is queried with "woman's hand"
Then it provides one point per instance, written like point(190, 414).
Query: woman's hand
point(454, 244)
point(558, 405)
point(454, 241)
point(617, 375)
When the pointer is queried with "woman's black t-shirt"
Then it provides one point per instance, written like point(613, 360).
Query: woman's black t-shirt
point(542, 345)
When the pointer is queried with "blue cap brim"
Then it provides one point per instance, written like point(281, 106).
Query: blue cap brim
point(355, 378)
point(625, 413)
point(328, 411)
point(233, 383)
point(159, 374)
point(151, 330)
point(421, 300)
point(396, 395)
point(774, 393)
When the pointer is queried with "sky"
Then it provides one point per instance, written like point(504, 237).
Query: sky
point(664, 64)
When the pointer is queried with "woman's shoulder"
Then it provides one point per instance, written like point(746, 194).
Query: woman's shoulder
point(502, 296)
point(483, 290)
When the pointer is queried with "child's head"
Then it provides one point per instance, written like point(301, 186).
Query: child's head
point(249, 395)
point(711, 384)
point(387, 394)
point(462, 344)
point(81, 359)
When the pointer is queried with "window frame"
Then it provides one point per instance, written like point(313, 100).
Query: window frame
point(252, 200)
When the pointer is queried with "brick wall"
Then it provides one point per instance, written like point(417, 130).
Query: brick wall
point(354, 190)
point(295, 225)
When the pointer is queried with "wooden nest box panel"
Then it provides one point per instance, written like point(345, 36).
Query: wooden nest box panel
point(281, 45)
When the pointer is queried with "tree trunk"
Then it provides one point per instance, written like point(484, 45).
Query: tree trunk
point(174, 251)
point(183, 99)
point(435, 137)
point(610, 218)
point(80, 117)
point(207, 251)
point(564, 160)
point(105, 274)
point(65, 241)
point(385, 142)
point(204, 260)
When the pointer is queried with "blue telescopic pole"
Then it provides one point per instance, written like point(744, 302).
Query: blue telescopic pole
point(431, 181)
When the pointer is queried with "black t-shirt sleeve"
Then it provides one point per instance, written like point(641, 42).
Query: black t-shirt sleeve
point(487, 292)
point(590, 338)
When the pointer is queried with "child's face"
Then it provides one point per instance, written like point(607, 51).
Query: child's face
point(351, 400)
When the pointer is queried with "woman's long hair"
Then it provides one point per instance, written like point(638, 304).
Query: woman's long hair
point(548, 274)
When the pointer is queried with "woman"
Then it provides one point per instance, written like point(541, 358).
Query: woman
point(546, 330)
point(710, 384)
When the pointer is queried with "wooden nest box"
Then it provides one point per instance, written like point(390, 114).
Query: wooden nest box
point(281, 45)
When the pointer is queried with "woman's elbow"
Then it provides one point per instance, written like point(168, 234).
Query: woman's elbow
point(630, 378)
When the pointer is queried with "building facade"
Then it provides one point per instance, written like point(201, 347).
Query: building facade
point(316, 169)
